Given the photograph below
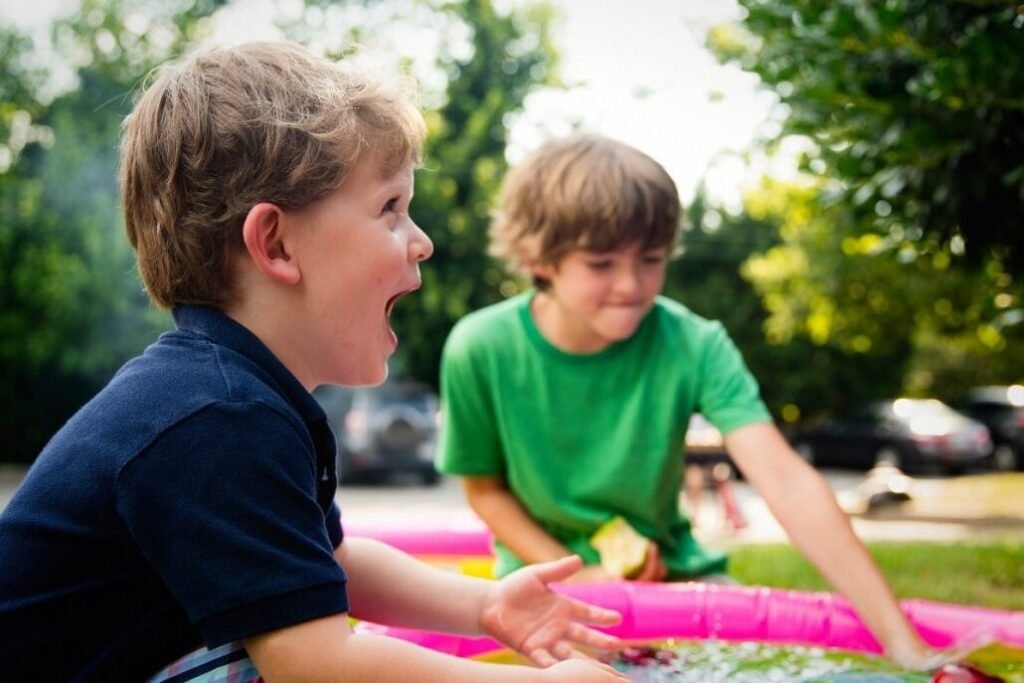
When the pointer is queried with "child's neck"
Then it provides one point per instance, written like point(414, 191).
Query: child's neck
point(562, 330)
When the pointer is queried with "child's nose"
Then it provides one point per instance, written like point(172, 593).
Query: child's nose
point(627, 280)
point(420, 246)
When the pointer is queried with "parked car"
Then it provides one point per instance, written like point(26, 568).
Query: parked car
point(383, 431)
point(1001, 409)
point(904, 432)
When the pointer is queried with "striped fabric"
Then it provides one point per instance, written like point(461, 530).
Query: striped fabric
point(225, 664)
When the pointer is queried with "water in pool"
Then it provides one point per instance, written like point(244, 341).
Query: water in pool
point(714, 662)
point(680, 661)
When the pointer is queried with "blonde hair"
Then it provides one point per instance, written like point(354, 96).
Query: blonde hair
point(583, 192)
point(232, 127)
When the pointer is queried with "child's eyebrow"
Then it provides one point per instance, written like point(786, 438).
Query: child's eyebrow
point(397, 186)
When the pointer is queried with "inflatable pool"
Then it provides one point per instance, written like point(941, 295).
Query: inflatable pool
point(737, 613)
point(653, 611)
point(460, 544)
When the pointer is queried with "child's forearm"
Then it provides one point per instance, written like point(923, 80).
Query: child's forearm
point(388, 586)
point(806, 508)
point(828, 541)
point(511, 524)
point(326, 650)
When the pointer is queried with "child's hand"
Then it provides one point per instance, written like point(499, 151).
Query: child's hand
point(919, 657)
point(591, 573)
point(522, 612)
point(582, 671)
point(654, 569)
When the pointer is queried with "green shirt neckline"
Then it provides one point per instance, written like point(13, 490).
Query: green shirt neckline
point(549, 349)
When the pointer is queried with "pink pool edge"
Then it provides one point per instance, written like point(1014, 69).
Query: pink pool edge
point(652, 611)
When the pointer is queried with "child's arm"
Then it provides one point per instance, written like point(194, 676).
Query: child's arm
point(806, 508)
point(327, 650)
point(390, 587)
point(509, 521)
point(511, 524)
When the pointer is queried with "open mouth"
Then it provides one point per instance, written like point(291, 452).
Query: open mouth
point(390, 305)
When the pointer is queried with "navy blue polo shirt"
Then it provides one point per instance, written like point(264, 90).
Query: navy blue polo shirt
point(190, 502)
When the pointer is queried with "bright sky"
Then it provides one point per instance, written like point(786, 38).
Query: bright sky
point(645, 77)
point(637, 71)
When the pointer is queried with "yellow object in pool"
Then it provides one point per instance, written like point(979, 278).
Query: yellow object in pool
point(470, 565)
point(623, 550)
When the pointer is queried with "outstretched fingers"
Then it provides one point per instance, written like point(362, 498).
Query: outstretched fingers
point(561, 650)
point(542, 658)
point(558, 570)
point(588, 637)
point(592, 614)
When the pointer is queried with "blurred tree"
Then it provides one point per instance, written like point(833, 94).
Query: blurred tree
point(905, 242)
point(917, 106)
point(73, 309)
point(464, 162)
point(799, 378)
point(923, 325)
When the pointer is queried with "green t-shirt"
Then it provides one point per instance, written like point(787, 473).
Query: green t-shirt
point(582, 438)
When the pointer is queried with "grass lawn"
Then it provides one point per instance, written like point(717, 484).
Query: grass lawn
point(986, 574)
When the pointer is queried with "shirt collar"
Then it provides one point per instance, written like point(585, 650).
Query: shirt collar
point(223, 330)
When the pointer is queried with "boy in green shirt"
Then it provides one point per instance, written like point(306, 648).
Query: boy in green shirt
point(566, 407)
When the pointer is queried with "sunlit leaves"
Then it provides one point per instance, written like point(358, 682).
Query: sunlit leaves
point(917, 106)
point(873, 295)
point(913, 235)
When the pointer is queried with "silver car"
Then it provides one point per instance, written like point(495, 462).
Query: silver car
point(383, 431)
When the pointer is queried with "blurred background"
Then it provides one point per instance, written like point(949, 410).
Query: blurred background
point(853, 175)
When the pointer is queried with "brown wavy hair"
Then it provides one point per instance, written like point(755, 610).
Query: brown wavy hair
point(229, 128)
point(585, 192)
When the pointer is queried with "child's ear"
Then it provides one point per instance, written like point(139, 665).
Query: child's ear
point(264, 236)
point(541, 271)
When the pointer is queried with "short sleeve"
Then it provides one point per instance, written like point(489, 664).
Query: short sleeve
point(223, 506)
point(468, 441)
point(334, 528)
point(728, 395)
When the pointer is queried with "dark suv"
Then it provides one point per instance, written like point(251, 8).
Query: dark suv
point(1002, 411)
point(383, 431)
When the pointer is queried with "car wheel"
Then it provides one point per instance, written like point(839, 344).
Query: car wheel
point(805, 451)
point(1004, 458)
point(888, 456)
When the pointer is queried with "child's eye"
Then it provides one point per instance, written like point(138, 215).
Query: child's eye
point(390, 205)
point(654, 259)
point(599, 265)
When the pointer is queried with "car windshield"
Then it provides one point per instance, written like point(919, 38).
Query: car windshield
point(925, 416)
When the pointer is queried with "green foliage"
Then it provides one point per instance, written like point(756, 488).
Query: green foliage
point(799, 378)
point(903, 320)
point(73, 307)
point(464, 162)
point(987, 574)
point(902, 247)
point(917, 106)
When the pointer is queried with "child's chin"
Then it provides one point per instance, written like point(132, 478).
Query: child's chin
point(621, 332)
point(378, 379)
point(369, 378)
